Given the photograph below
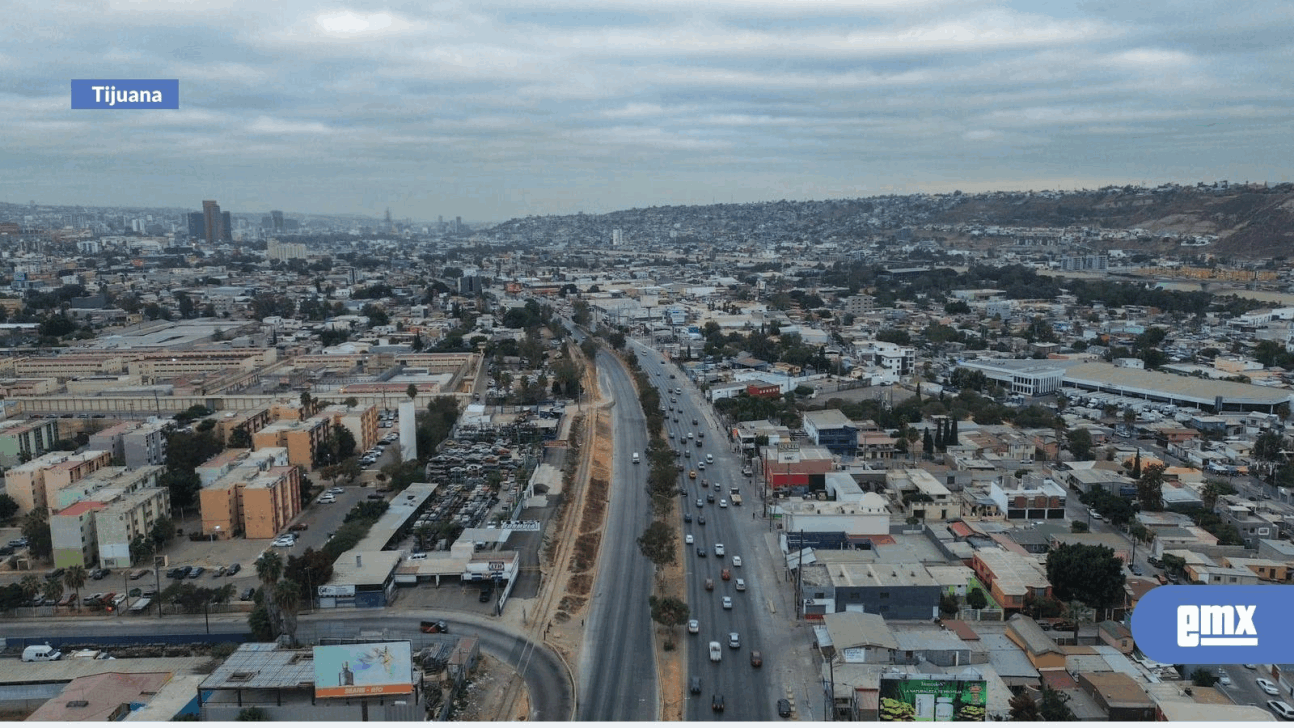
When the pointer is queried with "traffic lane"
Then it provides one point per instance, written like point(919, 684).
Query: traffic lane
point(551, 695)
point(620, 620)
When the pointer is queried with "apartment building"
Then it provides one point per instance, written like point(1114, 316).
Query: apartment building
point(73, 536)
point(106, 484)
point(25, 439)
point(360, 420)
point(252, 420)
point(32, 483)
point(134, 443)
point(253, 493)
point(302, 439)
point(922, 496)
point(69, 366)
point(155, 366)
point(1031, 498)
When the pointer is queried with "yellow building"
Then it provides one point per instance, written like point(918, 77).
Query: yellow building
point(302, 439)
point(360, 420)
point(35, 484)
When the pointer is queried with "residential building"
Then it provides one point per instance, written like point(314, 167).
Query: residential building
point(1010, 577)
point(256, 494)
point(35, 484)
point(1030, 499)
point(72, 534)
point(302, 439)
point(134, 443)
point(125, 519)
point(26, 439)
point(251, 420)
point(360, 421)
point(922, 496)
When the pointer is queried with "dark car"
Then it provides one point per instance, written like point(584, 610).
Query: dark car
point(784, 708)
point(98, 574)
point(486, 593)
point(696, 686)
point(55, 574)
point(700, 551)
point(299, 527)
point(700, 520)
point(248, 594)
point(756, 658)
point(196, 571)
point(716, 703)
point(694, 421)
point(687, 517)
point(709, 497)
point(175, 572)
point(234, 569)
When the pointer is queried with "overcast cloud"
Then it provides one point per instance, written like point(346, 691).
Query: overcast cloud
point(494, 108)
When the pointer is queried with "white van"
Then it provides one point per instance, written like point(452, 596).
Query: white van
point(635, 458)
point(40, 653)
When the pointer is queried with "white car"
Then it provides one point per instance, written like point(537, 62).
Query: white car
point(1268, 686)
point(734, 640)
point(1281, 708)
point(284, 542)
point(693, 626)
point(327, 499)
point(727, 602)
point(741, 585)
point(688, 539)
point(723, 503)
point(718, 549)
point(736, 561)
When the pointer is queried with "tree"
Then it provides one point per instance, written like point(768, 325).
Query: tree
point(948, 603)
point(309, 570)
point(1079, 442)
point(1090, 574)
point(1136, 466)
point(162, 532)
point(183, 486)
point(35, 528)
point(269, 569)
point(412, 391)
point(1150, 488)
point(1077, 614)
point(927, 444)
point(657, 543)
point(1024, 709)
point(8, 507)
point(31, 586)
point(1078, 527)
point(1202, 678)
point(1213, 489)
point(1268, 446)
point(975, 598)
point(253, 713)
point(1053, 708)
point(287, 596)
point(239, 437)
point(668, 611)
point(74, 578)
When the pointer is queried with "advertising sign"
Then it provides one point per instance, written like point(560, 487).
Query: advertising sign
point(337, 590)
point(911, 698)
point(371, 668)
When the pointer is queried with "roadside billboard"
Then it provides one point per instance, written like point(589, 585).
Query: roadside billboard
point(911, 698)
point(370, 668)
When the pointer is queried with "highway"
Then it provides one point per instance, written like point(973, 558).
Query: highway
point(747, 691)
point(618, 665)
point(551, 697)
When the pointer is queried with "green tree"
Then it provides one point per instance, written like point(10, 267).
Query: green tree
point(239, 437)
point(975, 598)
point(1078, 527)
point(1024, 709)
point(35, 528)
point(269, 569)
point(74, 578)
point(253, 713)
point(1202, 678)
point(1053, 708)
point(31, 586)
point(1150, 488)
point(163, 531)
point(1079, 442)
point(8, 507)
point(948, 603)
point(1090, 574)
point(287, 596)
point(657, 543)
point(668, 612)
point(1268, 446)
point(1215, 488)
point(412, 391)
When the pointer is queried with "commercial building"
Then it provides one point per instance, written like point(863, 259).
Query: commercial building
point(794, 468)
point(361, 579)
point(35, 484)
point(894, 591)
point(1031, 498)
point(23, 440)
point(1026, 377)
point(213, 222)
point(1216, 396)
point(833, 430)
point(922, 495)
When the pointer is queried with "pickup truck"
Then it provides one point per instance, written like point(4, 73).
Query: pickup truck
point(736, 497)
point(716, 652)
point(434, 626)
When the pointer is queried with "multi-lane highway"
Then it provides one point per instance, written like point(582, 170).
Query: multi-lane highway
point(618, 665)
point(747, 691)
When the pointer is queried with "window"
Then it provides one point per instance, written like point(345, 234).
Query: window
point(885, 595)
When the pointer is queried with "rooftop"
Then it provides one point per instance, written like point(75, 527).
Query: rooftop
point(263, 665)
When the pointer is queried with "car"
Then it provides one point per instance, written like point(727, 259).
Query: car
point(741, 585)
point(700, 466)
point(727, 602)
point(700, 503)
point(687, 517)
point(718, 549)
point(672, 376)
point(248, 594)
point(18, 543)
point(1044, 626)
point(723, 502)
point(694, 421)
point(234, 568)
point(700, 551)
point(196, 571)
point(784, 708)
point(709, 497)
point(299, 527)
point(1248, 666)
point(756, 658)
point(376, 496)
point(693, 626)
point(418, 556)
point(95, 598)
point(138, 574)
point(98, 574)
point(695, 685)
point(327, 499)
point(734, 640)
point(1281, 708)
point(709, 584)
point(1136, 571)
point(436, 626)
point(701, 520)
point(283, 543)
point(1268, 686)
point(716, 703)
point(726, 575)
point(218, 572)
point(1223, 677)
point(688, 539)
point(736, 561)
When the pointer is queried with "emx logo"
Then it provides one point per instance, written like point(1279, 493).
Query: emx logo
point(1214, 624)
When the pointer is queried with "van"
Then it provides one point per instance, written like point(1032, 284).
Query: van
point(635, 458)
point(40, 653)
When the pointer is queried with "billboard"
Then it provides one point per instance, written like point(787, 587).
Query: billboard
point(371, 668)
point(932, 697)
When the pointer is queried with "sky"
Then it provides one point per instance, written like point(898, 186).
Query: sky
point(491, 109)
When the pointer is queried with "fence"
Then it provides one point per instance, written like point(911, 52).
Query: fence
point(966, 614)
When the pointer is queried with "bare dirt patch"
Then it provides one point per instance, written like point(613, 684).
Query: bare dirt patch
point(484, 696)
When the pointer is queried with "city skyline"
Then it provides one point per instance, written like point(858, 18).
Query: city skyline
point(498, 110)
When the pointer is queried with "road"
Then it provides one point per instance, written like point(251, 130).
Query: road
point(748, 692)
point(551, 697)
point(618, 665)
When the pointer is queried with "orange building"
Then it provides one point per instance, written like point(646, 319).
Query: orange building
point(361, 421)
point(302, 439)
point(255, 498)
point(1010, 576)
point(33, 483)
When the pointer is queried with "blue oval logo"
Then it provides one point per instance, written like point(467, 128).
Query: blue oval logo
point(1210, 624)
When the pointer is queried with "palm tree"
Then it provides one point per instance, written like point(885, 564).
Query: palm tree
point(30, 585)
point(287, 594)
point(269, 569)
point(75, 578)
point(54, 589)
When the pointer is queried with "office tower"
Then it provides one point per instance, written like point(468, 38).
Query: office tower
point(267, 223)
point(617, 238)
point(458, 224)
point(211, 222)
point(277, 217)
point(195, 224)
point(226, 227)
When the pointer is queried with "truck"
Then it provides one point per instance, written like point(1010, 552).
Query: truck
point(736, 496)
point(716, 652)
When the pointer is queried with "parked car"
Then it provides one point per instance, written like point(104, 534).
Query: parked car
point(327, 499)
point(297, 527)
point(218, 572)
point(248, 594)
point(138, 574)
point(196, 571)
point(486, 593)
point(98, 574)
point(1268, 686)
point(1281, 708)
point(234, 568)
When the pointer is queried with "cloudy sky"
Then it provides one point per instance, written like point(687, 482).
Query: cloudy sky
point(494, 108)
